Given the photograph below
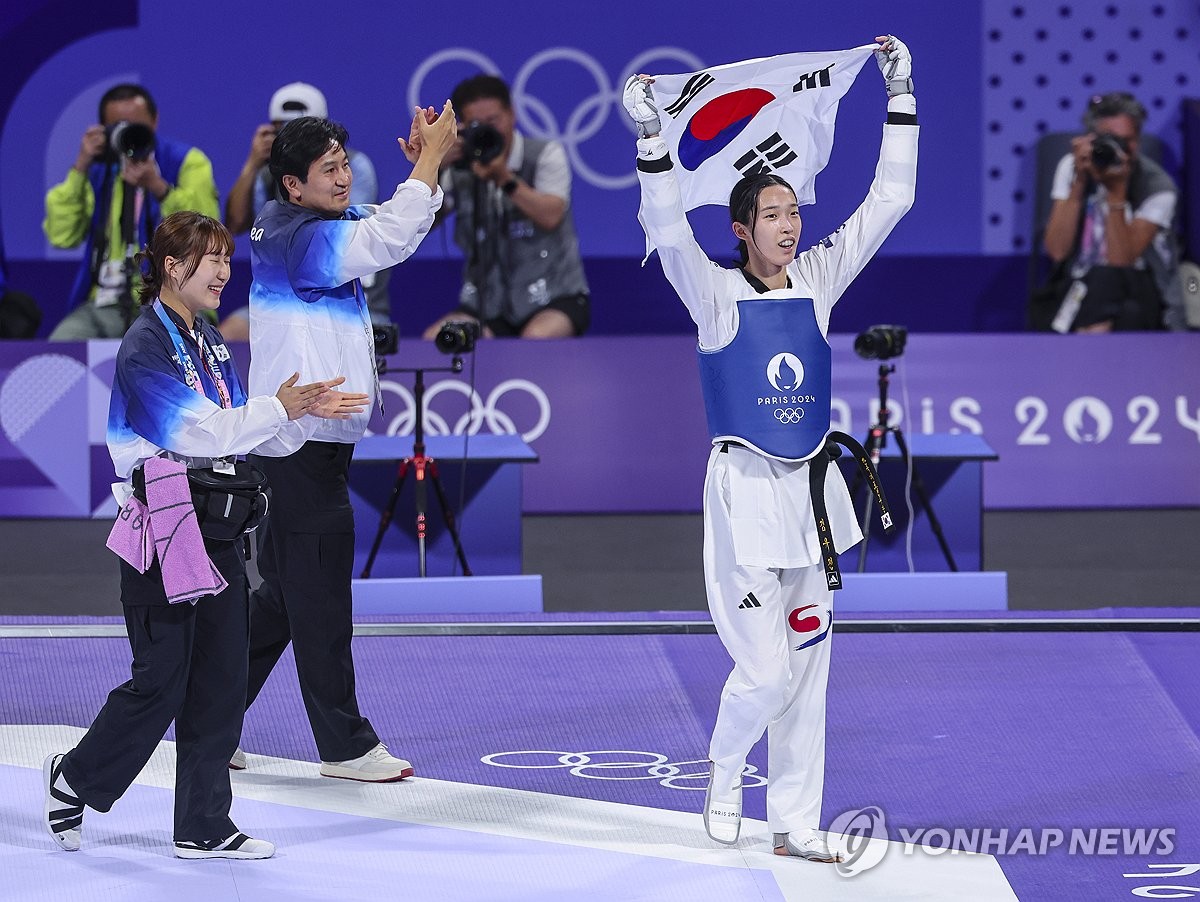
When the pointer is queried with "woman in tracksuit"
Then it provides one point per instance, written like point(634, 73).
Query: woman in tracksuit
point(177, 394)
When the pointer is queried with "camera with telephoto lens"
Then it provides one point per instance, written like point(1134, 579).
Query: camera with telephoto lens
point(128, 139)
point(1108, 151)
point(881, 342)
point(457, 337)
point(481, 143)
point(387, 338)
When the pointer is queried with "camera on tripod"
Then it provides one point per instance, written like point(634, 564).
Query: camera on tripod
point(1109, 151)
point(128, 139)
point(881, 342)
point(481, 143)
point(457, 337)
point(387, 338)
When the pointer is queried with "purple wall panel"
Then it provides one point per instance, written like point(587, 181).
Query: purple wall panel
point(1078, 422)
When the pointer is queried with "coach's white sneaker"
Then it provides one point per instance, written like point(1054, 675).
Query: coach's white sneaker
point(376, 766)
point(237, 761)
point(722, 813)
point(808, 844)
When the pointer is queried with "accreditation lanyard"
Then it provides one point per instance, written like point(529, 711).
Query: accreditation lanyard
point(184, 358)
point(364, 312)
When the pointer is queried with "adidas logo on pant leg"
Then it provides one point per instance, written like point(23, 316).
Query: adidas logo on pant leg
point(749, 602)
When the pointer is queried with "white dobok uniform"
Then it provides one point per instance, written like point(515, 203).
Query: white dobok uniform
point(762, 560)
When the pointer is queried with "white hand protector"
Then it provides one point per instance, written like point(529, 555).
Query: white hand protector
point(895, 62)
point(640, 106)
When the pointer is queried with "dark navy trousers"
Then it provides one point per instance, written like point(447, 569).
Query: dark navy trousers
point(306, 560)
point(189, 666)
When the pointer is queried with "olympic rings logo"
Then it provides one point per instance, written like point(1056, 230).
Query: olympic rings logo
point(789, 415)
point(480, 411)
point(589, 115)
point(621, 765)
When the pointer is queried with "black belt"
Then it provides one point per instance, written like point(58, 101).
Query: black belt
point(818, 466)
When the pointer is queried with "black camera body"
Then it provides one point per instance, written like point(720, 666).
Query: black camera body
point(1108, 151)
point(128, 139)
point(482, 143)
point(457, 337)
point(881, 342)
point(387, 338)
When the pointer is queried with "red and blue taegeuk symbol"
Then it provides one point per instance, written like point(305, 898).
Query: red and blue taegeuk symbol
point(717, 123)
point(809, 626)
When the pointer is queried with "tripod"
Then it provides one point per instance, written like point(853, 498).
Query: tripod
point(876, 440)
point(421, 466)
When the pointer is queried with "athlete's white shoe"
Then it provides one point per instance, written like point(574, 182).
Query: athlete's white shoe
point(808, 844)
point(376, 766)
point(722, 814)
point(237, 761)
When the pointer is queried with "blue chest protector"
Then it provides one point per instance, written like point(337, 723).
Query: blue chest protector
point(769, 388)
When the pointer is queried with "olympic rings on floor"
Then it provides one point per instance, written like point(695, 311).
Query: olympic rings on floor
point(620, 764)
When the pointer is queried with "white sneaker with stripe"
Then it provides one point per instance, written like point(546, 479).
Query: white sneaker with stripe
point(237, 846)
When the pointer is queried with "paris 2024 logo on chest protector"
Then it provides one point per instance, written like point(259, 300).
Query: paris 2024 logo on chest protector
point(785, 372)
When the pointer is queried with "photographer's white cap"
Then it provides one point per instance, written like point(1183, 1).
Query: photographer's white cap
point(296, 100)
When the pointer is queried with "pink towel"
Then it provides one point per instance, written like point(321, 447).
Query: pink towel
point(131, 538)
point(171, 530)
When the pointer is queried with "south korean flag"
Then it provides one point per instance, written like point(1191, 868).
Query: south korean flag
point(774, 114)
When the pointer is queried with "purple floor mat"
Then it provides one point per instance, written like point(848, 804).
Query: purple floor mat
point(954, 731)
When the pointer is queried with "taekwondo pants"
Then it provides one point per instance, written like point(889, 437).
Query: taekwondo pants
point(776, 624)
point(189, 665)
point(306, 560)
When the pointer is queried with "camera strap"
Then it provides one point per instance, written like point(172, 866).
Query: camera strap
point(484, 254)
point(818, 466)
point(100, 224)
point(132, 203)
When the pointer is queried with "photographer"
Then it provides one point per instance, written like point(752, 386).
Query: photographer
point(254, 187)
point(1110, 231)
point(512, 196)
point(126, 178)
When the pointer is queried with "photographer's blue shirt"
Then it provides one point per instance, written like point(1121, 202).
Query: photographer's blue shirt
point(308, 313)
point(153, 409)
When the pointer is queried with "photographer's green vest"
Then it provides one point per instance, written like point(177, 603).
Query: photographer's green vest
point(770, 389)
point(108, 189)
point(513, 268)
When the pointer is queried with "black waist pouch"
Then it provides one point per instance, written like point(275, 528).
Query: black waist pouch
point(228, 505)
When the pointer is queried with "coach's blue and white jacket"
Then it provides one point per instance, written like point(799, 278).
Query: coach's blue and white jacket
point(152, 409)
point(307, 310)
